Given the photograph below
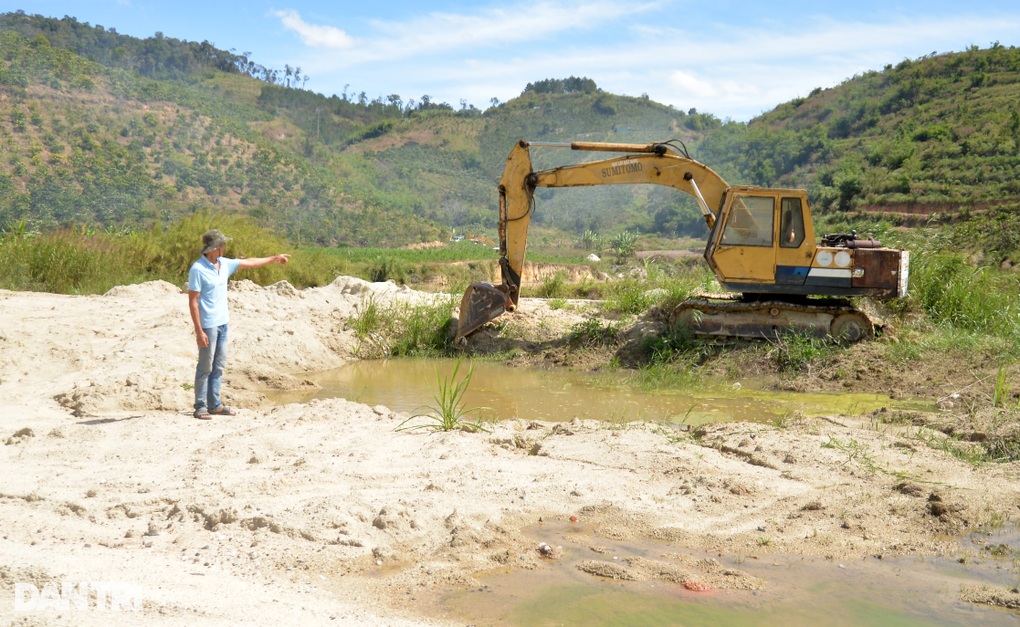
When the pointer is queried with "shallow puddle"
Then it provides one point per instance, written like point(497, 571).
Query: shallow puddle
point(797, 592)
point(502, 392)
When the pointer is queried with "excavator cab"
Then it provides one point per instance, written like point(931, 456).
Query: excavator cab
point(765, 244)
point(762, 233)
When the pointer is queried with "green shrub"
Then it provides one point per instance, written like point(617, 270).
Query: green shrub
point(553, 287)
point(955, 293)
point(666, 347)
point(593, 332)
point(402, 329)
point(795, 351)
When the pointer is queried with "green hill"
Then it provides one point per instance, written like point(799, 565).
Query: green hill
point(115, 131)
point(171, 133)
point(123, 133)
point(936, 134)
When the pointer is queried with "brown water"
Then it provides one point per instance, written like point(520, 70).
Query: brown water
point(502, 392)
point(798, 592)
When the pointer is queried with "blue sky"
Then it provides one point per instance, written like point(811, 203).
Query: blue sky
point(735, 59)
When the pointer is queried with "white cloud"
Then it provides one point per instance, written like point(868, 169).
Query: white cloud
point(730, 70)
point(496, 27)
point(686, 82)
point(443, 33)
point(315, 36)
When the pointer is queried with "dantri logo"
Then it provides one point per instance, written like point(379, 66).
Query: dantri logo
point(97, 596)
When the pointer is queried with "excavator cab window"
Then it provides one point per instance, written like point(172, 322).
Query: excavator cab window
point(750, 221)
point(791, 223)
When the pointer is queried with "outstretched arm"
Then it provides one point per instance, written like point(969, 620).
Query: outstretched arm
point(263, 261)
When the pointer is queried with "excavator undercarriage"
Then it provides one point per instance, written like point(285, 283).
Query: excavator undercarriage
point(733, 316)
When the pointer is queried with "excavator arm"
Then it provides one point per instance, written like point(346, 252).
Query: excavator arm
point(656, 163)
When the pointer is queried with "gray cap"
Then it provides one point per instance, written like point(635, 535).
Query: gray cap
point(213, 239)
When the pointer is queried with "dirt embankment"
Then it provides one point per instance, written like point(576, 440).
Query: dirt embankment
point(323, 512)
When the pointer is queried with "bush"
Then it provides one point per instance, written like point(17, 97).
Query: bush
point(403, 330)
point(955, 293)
point(592, 332)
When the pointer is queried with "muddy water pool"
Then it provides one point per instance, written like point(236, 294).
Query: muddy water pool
point(797, 591)
point(501, 392)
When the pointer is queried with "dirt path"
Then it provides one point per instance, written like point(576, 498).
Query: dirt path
point(322, 512)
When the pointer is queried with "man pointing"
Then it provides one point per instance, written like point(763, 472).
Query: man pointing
point(207, 301)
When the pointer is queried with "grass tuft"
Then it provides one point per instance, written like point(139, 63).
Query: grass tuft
point(449, 412)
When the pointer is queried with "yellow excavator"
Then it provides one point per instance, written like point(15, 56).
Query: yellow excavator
point(761, 247)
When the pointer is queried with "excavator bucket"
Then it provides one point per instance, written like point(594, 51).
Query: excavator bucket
point(481, 303)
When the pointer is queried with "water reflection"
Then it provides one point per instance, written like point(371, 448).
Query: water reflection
point(503, 392)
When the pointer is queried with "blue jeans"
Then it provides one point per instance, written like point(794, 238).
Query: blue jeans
point(209, 374)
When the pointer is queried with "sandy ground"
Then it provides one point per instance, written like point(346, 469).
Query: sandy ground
point(323, 513)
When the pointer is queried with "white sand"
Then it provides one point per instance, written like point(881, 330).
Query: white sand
point(321, 513)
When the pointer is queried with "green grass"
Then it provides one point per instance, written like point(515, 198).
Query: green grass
point(402, 329)
point(654, 284)
point(85, 261)
point(953, 292)
point(794, 352)
point(593, 332)
point(449, 412)
point(1001, 387)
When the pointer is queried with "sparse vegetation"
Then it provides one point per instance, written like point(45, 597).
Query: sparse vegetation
point(594, 332)
point(794, 352)
point(450, 412)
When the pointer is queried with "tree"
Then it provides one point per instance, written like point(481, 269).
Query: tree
point(849, 186)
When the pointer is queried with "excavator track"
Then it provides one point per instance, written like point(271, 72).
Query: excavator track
point(726, 316)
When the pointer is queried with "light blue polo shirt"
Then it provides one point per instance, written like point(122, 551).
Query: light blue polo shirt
point(211, 284)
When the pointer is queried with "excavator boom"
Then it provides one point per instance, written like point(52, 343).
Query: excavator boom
point(659, 163)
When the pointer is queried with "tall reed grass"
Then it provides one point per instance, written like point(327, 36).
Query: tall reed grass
point(83, 260)
point(956, 294)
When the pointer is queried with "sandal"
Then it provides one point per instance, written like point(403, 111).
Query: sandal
point(202, 414)
point(223, 411)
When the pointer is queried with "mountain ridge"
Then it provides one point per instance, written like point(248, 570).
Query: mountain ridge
point(166, 128)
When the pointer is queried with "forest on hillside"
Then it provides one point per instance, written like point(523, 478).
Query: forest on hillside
point(122, 134)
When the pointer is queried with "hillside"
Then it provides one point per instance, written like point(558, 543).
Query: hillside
point(940, 133)
point(122, 133)
point(111, 147)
